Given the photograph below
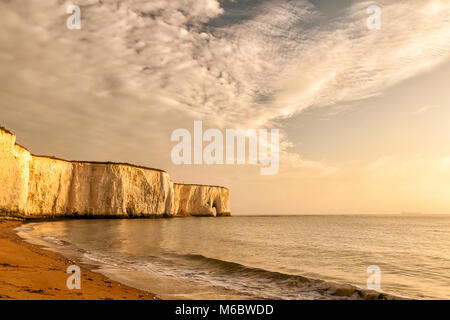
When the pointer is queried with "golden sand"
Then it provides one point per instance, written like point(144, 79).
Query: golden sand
point(29, 272)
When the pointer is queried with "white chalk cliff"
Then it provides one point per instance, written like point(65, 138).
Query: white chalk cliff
point(44, 187)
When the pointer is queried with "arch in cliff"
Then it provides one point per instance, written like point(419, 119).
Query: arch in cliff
point(217, 207)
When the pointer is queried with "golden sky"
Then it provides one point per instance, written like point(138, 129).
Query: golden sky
point(364, 114)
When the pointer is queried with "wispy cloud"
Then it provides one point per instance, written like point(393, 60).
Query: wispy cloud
point(346, 61)
point(248, 73)
point(424, 109)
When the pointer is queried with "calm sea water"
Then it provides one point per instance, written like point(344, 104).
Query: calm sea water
point(278, 257)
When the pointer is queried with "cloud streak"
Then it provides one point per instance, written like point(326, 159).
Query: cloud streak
point(170, 55)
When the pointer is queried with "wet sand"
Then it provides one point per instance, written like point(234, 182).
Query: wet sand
point(29, 272)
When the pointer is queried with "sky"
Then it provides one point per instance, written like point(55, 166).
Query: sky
point(363, 114)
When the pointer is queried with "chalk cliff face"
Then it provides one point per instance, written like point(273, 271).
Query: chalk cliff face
point(13, 176)
point(37, 186)
point(199, 200)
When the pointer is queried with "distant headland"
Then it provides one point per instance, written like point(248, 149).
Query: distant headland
point(412, 213)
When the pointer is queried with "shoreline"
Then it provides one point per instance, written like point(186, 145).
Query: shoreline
point(30, 272)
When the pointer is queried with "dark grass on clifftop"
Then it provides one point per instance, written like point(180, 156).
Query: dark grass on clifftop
point(5, 130)
point(100, 162)
point(110, 163)
point(199, 185)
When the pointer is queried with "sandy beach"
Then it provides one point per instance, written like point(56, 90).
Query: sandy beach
point(29, 272)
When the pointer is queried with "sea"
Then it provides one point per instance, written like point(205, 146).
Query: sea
point(262, 257)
